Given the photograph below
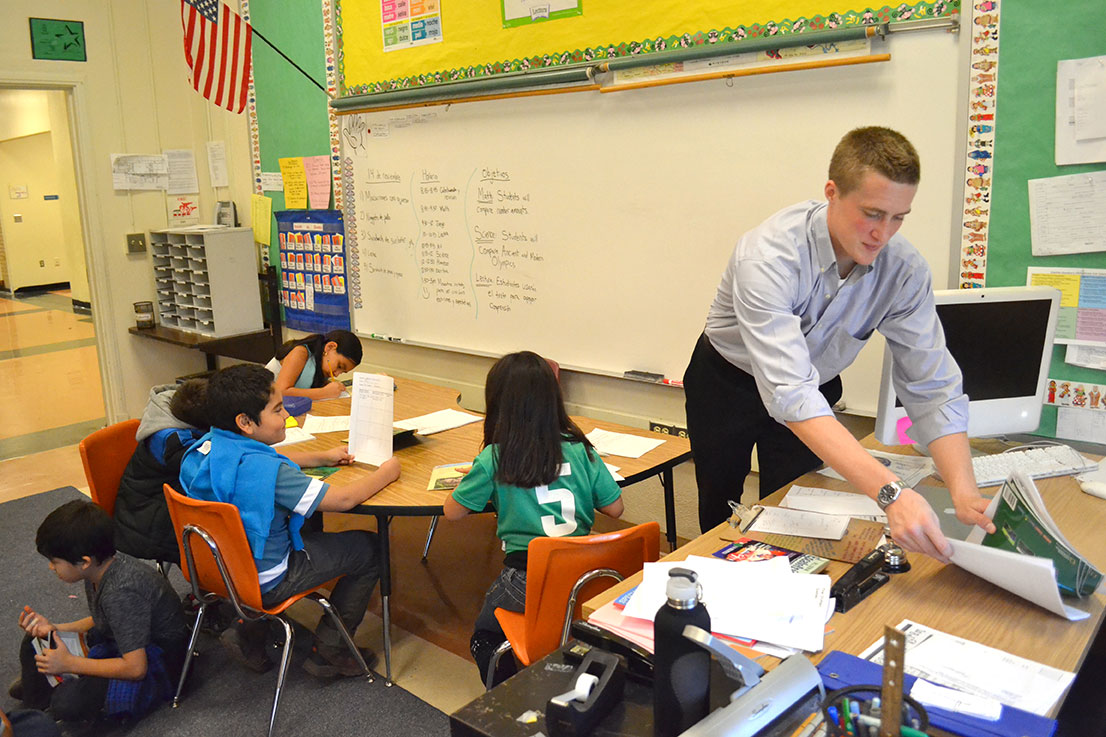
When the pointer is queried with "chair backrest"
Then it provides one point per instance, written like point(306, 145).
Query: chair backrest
point(105, 454)
point(5, 725)
point(554, 564)
point(221, 523)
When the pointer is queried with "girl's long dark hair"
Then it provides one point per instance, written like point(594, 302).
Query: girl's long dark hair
point(526, 420)
point(348, 345)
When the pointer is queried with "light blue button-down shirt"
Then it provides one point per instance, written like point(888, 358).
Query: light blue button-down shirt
point(783, 315)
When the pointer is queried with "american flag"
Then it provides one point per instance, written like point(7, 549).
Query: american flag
point(217, 49)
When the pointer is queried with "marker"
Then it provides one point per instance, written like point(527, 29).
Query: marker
point(672, 382)
point(395, 340)
point(378, 336)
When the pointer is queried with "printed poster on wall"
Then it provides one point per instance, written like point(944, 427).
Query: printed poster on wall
point(409, 23)
point(1082, 318)
point(523, 12)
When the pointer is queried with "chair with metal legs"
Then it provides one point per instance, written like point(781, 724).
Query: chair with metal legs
point(219, 565)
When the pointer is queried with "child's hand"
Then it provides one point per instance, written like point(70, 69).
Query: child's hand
point(339, 456)
point(56, 660)
point(35, 624)
point(332, 389)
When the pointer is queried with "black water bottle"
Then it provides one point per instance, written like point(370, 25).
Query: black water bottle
point(681, 680)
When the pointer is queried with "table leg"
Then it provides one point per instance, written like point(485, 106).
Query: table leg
point(212, 363)
point(669, 507)
point(382, 522)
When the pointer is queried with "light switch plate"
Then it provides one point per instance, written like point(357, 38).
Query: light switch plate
point(136, 242)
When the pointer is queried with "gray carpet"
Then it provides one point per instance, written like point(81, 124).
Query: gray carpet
point(221, 695)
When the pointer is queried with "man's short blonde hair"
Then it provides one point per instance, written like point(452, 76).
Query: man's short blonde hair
point(877, 149)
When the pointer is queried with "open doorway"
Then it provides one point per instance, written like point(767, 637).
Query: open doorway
point(50, 384)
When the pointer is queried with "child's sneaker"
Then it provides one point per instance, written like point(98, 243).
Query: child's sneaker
point(15, 689)
point(328, 661)
point(251, 655)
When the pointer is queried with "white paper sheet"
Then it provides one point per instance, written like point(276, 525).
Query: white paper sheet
point(371, 411)
point(827, 501)
point(1085, 355)
point(1031, 578)
point(792, 615)
point(1072, 78)
point(977, 669)
point(217, 163)
point(272, 181)
point(443, 419)
point(139, 171)
point(1081, 424)
point(317, 424)
point(294, 435)
point(783, 521)
point(952, 700)
point(911, 469)
point(182, 171)
point(1068, 214)
point(614, 472)
point(622, 444)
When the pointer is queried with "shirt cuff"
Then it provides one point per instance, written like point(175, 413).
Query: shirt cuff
point(797, 403)
point(930, 423)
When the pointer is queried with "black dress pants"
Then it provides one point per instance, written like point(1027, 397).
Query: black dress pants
point(725, 419)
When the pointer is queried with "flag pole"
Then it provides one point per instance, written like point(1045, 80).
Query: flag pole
point(297, 66)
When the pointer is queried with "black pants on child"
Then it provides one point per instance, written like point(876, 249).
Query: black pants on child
point(508, 591)
point(76, 700)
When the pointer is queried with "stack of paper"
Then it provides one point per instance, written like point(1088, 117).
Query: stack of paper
point(763, 601)
point(977, 669)
point(443, 419)
point(622, 444)
point(911, 469)
point(827, 501)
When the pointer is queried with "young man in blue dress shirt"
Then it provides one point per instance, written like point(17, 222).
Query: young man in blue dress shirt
point(800, 297)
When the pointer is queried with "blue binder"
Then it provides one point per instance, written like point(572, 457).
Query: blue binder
point(839, 670)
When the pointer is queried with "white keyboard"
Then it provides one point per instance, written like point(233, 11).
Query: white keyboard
point(1037, 463)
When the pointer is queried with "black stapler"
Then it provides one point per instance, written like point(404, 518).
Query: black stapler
point(859, 581)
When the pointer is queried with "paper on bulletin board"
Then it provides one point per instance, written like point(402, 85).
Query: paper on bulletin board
point(1082, 318)
point(1080, 110)
point(1086, 356)
point(183, 210)
point(271, 181)
point(1074, 424)
point(317, 172)
point(261, 213)
point(295, 182)
point(182, 171)
point(1068, 214)
point(139, 171)
point(217, 163)
point(408, 23)
point(522, 12)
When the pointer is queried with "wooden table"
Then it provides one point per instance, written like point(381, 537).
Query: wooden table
point(948, 598)
point(408, 496)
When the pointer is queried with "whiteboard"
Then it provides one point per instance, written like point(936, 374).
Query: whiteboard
point(593, 228)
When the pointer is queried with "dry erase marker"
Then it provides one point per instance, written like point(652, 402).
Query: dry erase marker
point(672, 382)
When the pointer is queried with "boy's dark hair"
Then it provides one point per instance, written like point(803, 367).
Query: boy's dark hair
point(526, 420)
point(877, 149)
point(74, 530)
point(348, 344)
point(240, 389)
point(189, 403)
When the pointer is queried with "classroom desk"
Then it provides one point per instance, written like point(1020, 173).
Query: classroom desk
point(948, 598)
point(408, 495)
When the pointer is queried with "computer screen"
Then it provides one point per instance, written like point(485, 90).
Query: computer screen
point(1001, 338)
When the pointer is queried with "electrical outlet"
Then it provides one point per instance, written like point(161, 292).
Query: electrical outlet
point(680, 432)
point(41, 264)
point(660, 427)
point(136, 242)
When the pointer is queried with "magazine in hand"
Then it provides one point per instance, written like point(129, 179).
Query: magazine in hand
point(1023, 525)
point(74, 642)
point(744, 549)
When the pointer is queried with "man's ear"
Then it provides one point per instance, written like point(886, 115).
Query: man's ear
point(831, 190)
point(245, 424)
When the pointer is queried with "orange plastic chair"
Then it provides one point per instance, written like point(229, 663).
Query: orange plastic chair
point(219, 565)
point(5, 725)
point(563, 572)
point(105, 454)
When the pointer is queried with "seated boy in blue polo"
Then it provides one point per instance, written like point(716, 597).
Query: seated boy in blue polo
point(234, 463)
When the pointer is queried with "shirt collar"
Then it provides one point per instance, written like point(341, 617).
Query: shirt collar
point(823, 246)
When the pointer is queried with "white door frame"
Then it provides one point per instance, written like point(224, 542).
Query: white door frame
point(104, 321)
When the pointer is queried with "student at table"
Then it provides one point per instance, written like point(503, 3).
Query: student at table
point(800, 296)
point(309, 367)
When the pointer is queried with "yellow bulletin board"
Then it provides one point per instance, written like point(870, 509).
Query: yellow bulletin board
point(475, 43)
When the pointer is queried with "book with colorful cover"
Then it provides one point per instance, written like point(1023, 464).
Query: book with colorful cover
point(445, 478)
point(746, 549)
point(74, 643)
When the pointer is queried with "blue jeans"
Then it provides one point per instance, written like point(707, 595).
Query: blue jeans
point(508, 591)
point(328, 555)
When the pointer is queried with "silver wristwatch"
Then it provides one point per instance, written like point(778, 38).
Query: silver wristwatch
point(889, 493)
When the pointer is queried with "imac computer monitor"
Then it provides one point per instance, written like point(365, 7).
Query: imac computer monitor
point(1001, 338)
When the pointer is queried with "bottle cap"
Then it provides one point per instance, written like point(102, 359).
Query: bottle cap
point(683, 588)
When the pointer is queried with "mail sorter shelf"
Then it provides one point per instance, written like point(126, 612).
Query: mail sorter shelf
point(205, 280)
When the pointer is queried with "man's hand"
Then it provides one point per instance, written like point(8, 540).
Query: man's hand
point(34, 624)
point(56, 660)
point(972, 510)
point(339, 456)
point(914, 526)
